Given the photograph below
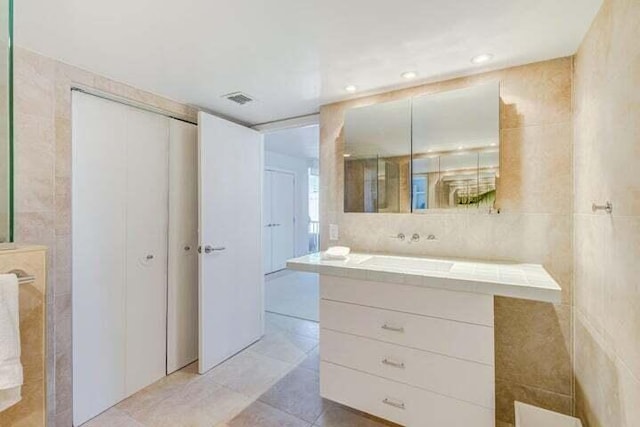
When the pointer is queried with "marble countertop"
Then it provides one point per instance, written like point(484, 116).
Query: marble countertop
point(527, 281)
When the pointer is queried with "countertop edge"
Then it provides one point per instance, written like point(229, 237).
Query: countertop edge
point(532, 293)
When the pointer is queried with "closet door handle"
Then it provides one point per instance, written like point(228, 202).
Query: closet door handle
point(150, 257)
point(187, 248)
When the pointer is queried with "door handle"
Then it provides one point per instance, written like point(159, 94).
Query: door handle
point(209, 249)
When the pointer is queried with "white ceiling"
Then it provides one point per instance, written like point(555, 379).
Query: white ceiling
point(294, 55)
point(301, 142)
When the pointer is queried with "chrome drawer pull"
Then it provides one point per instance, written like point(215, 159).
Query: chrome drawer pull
point(393, 328)
point(395, 404)
point(392, 363)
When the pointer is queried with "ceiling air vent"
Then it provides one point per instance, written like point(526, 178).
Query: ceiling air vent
point(238, 98)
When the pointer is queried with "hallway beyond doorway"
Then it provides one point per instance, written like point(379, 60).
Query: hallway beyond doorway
point(292, 293)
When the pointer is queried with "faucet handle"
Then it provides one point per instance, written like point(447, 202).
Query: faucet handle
point(415, 238)
point(399, 236)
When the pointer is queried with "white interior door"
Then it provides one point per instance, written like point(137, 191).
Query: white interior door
point(231, 277)
point(282, 219)
point(147, 228)
point(182, 310)
point(99, 255)
point(267, 221)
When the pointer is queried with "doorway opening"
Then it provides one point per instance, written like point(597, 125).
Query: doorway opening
point(291, 219)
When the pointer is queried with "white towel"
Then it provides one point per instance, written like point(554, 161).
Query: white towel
point(336, 253)
point(10, 366)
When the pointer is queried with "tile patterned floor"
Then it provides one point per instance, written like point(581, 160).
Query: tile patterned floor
point(273, 383)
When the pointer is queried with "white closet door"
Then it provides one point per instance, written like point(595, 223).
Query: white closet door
point(147, 226)
point(231, 277)
point(268, 223)
point(182, 321)
point(283, 219)
point(99, 251)
point(120, 220)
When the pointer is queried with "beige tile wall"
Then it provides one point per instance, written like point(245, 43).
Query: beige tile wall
point(607, 247)
point(533, 340)
point(43, 191)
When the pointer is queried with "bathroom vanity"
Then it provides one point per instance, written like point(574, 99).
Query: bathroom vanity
point(411, 340)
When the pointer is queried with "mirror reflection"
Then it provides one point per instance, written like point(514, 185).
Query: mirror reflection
point(455, 148)
point(377, 158)
point(438, 151)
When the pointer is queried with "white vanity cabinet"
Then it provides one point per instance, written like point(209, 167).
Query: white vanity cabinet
point(412, 355)
point(410, 339)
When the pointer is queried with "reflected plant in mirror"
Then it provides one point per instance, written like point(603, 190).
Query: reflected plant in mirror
point(5, 120)
point(455, 148)
point(437, 151)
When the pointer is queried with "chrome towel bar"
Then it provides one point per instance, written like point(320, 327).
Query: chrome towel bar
point(23, 277)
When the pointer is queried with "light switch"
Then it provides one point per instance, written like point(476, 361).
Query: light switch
point(334, 233)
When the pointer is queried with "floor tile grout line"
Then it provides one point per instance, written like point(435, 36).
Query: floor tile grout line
point(284, 411)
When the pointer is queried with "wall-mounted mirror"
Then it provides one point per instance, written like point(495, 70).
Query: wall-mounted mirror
point(438, 151)
point(5, 120)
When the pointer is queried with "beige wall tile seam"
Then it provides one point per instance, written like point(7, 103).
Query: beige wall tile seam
point(532, 387)
point(604, 343)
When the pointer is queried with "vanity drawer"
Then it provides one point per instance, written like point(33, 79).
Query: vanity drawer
point(463, 306)
point(469, 381)
point(398, 402)
point(447, 337)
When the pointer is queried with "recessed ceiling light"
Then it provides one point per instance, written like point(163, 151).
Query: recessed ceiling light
point(350, 88)
point(479, 59)
point(493, 144)
point(409, 75)
point(460, 148)
point(346, 155)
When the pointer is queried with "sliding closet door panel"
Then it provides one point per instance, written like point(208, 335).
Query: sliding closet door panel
point(147, 224)
point(282, 211)
point(99, 250)
point(182, 311)
point(268, 223)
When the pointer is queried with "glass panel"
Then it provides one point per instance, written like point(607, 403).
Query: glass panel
point(5, 121)
point(377, 158)
point(455, 148)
